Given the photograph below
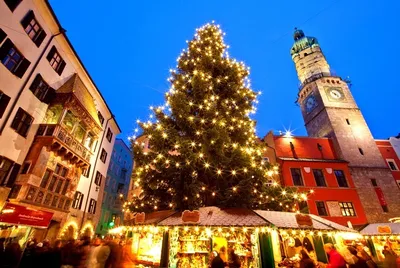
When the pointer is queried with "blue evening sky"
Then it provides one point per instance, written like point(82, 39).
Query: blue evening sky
point(128, 46)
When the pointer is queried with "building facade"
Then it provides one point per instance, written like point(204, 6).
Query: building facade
point(56, 130)
point(329, 110)
point(116, 187)
point(388, 151)
point(309, 163)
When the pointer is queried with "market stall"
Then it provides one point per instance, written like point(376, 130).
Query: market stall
point(16, 222)
point(294, 232)
point(379, 235)
point(191, 239)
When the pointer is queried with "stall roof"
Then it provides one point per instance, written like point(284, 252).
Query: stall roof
point(372, 228)
point(288, 220)
point(213, 216)
point(156, 217)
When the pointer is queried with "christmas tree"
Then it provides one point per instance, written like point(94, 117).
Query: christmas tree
point(203, 147)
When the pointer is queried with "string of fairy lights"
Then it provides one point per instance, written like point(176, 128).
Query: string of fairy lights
point(229, 114)
point(227, 231)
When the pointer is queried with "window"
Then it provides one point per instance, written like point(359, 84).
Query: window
point(321, 208)
point(98, 178)
point(392, 164)
point(109, 134)
point(103, 156)
point(347, 209)
point(385, 208)
point(41, 89)
point(361, 151)
point(52, 183)
point(31, 193)
point(341, 179)
point(86, 172)
point(15, 191)
point(12, 4)
point(92, 206)
point(45, 179)
point(319, 177)
point(56, 61)
point(78, 198)
point(348, 121)
point(33, 29)
point(374, 183)
point(296, 176)
point(101, 118)
point(66, 185)
point(22, 122)
point(4, 100)
point(12, 59)
point(25, 167)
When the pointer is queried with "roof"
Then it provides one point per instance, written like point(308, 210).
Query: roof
point(313, 160)
point(75, 86)
point(213, 216)
point(79, 59)
point(156, 217)
point(288, 220)
point(372, 228)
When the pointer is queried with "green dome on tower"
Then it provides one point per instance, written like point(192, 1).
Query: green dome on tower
point(302, 42)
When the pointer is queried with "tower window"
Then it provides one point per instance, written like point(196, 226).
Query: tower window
point(374, 183)
point(361, 151)
point(392, 165)
point(348, 121)
point(385, 208)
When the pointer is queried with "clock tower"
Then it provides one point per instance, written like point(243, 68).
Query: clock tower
point(329, 110)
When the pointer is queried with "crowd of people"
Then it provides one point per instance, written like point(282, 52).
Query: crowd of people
point(82, 253)
point(349, 257)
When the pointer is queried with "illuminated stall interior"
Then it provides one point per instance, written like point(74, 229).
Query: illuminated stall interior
point(259, 238)
point(380, 235)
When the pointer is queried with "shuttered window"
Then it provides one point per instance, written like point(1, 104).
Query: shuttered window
point(12, 59)
point(33, 28)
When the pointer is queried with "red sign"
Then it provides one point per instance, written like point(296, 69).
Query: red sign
point(304, 220)
point(380, 195)
point(16, 214)
point(384, 229)
point(140, 217)
point(191, 216)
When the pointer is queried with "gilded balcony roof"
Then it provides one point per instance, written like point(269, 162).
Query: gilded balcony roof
point(75, 86)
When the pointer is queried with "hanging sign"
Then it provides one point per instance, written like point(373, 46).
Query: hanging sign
point(380, 195)
point(16, 214)
point(384, 229)
point(191, 216)
point(140, 217)
point(304, 220)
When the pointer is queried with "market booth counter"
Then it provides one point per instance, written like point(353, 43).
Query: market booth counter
point(16, 222)
point(259, 238)
point(293, 232)
point(195, 235)
point(379, 235)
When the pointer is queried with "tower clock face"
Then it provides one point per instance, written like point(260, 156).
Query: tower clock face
point(310, 103)
point(335, 94)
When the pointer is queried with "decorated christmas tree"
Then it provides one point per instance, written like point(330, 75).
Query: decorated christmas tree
point(203, 149)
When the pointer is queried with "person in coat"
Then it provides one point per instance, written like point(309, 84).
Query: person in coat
point(306, 261)
point(335, 259)
point(390, 257)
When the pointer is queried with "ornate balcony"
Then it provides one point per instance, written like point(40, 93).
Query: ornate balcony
point(45, 198)
point(63, 143)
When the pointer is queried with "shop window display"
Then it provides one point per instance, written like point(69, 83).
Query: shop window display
point(146, 246)
point(291, 249)
point(193, 247)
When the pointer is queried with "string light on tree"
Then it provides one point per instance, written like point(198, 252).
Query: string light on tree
point(202, 142)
